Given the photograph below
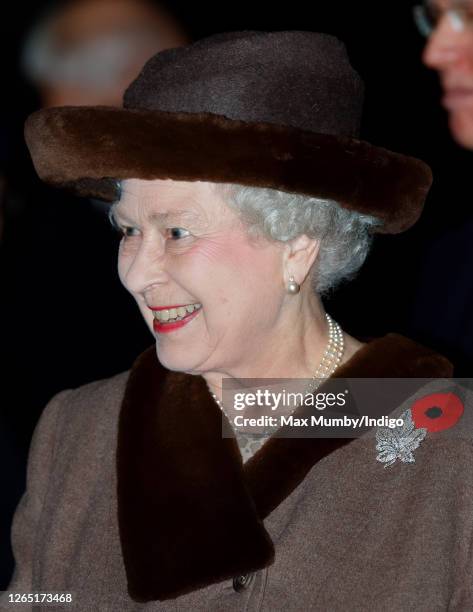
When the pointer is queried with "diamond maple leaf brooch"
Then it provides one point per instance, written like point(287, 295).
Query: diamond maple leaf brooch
point(399, 442)
point(434, 412)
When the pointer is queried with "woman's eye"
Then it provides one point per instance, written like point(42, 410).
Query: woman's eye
point(176, 233)
point(128, 232)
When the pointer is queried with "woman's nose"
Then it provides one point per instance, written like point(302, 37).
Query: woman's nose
point(449, 42)
point(146, 268)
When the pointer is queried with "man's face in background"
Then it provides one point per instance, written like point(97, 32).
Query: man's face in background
point(449, 50)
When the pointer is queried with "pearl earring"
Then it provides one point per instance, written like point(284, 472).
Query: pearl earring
point(292, 286)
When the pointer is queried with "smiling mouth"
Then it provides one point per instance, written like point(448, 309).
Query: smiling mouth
point(172, 315)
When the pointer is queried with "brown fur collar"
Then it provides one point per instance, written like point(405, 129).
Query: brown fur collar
point(190, 513)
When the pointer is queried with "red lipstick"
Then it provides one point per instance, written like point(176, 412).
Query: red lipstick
point(163, 327)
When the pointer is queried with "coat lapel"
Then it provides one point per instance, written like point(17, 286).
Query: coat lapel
point(190, 513)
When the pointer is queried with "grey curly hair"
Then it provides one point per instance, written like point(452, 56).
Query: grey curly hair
point(345, 236)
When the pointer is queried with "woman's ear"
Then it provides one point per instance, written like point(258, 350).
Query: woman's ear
point(299, 255)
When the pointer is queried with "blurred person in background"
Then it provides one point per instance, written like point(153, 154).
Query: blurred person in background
point(90, 50)
point(445, 284)
point(52, 246)
point(448, 26)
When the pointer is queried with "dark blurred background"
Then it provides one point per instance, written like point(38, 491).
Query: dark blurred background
point(65, 320)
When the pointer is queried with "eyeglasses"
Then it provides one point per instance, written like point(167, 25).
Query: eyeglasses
point(428, 15)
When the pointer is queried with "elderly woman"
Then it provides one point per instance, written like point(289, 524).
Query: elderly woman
point(242, 196)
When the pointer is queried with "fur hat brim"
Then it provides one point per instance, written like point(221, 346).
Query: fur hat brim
point(86, 149)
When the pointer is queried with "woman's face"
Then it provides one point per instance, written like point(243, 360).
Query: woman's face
point(217, 294)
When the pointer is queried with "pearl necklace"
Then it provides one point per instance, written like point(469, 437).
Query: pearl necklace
point(332, 356)
point(330, 361)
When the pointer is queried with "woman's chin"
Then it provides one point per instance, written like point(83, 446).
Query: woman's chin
point(175, 360)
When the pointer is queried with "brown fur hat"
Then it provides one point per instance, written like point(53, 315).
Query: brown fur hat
point(279, 110)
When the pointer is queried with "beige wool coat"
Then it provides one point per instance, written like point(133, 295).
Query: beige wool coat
point(135, 502)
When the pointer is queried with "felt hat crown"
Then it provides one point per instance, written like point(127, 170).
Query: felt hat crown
point(279, 110)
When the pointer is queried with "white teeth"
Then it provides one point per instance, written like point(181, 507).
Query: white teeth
point(176, 314)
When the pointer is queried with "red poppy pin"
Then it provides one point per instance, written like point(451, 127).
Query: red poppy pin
point(437, 411)
point(434, 412)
